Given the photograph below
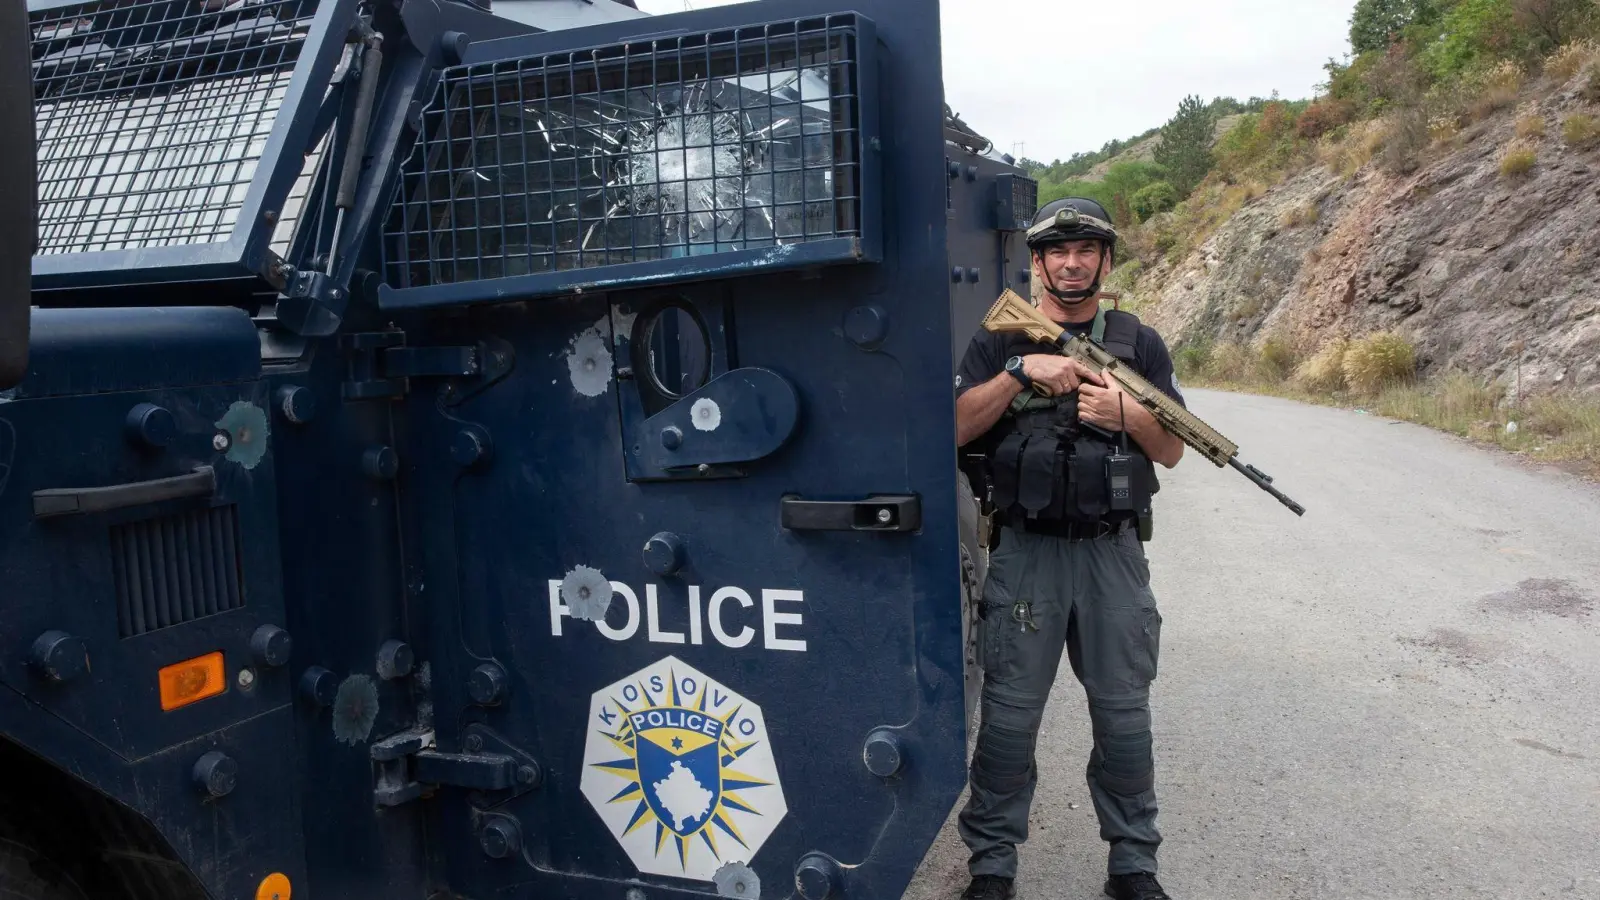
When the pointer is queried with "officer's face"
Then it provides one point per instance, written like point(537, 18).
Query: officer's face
point(1070, 266)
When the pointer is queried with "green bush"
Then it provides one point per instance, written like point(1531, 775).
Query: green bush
point(1153, 199)
point(1473, 32)
point(1192, 360)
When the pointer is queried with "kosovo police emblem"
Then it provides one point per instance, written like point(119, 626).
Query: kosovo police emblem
point(680, 769)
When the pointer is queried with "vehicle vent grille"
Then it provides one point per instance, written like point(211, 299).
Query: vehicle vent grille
point(176, 569)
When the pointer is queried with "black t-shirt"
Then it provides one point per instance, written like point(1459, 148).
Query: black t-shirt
point(987, 354)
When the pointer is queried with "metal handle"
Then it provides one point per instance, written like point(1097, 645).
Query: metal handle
point(202, 482)
point(894, 514)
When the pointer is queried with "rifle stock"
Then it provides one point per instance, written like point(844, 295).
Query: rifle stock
point(1012, 314)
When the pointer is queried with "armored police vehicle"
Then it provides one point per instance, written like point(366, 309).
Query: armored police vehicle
point(453, 451)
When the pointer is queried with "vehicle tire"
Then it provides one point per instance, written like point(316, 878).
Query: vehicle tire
point(26, 874)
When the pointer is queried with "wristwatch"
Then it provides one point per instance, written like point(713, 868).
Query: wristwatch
point(1014, 369)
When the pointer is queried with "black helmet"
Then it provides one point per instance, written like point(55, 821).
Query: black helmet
point(1074, 219)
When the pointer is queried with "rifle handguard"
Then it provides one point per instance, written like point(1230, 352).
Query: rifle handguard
point(1012, 314)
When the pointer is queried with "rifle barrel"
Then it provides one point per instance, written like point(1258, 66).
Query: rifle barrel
point(1264, 481)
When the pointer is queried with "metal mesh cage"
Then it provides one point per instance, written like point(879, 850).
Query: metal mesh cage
point(152, 115)
point(660, 149)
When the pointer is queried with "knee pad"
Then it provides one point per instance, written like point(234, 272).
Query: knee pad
point(1003, 760)
point(1126, 755)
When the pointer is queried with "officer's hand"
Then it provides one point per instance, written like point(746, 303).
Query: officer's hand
point(1098, 405)
point(1060, 374)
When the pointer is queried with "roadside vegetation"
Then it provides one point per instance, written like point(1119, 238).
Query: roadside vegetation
point(1377, 374)
point(1419, 75)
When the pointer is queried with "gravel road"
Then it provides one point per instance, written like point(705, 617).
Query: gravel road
point(1395, 697)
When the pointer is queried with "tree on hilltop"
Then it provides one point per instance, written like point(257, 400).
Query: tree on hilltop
point(1375, 24)
point(1185, 150)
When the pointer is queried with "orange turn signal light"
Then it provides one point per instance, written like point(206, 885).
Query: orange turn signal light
point(192, 680)
point(274, 887)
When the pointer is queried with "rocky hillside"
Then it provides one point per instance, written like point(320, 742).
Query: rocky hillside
point(1484, 271)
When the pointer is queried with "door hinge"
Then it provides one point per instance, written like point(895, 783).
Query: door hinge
point(381, 366)
point(409, 765)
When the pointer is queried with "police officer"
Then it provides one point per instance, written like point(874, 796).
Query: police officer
point(1067, 569)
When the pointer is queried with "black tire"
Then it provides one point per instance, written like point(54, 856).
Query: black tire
point(26, 874)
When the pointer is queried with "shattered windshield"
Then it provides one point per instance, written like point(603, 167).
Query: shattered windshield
point(533, 168)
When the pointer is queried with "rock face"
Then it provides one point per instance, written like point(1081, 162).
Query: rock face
point(1461, 259)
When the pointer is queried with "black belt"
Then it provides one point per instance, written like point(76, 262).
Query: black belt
point(1073, 531)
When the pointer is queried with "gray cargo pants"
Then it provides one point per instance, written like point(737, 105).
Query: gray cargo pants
point(1093, 598)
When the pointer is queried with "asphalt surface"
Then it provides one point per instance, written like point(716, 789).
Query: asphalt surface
point(1396, 697)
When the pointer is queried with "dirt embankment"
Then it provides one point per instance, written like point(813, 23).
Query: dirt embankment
point(1484, 272)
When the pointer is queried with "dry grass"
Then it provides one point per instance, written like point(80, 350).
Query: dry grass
point(1530, 126)
point(1565, 62)
point(1580, 130)
point(1377, 361)
point(1497, 90)
point(1443, 128)
point(1275, 360)
point(1557, 427)
point(1301, 215)
point(1518, 159)
point(1324, 371)
point(1359, 146)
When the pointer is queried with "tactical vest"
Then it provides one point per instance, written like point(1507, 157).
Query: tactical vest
point(1046, 466)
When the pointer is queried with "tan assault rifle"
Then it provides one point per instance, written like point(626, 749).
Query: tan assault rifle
point(1011, 313)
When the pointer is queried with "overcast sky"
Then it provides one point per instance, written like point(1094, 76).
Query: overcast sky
point(1149, 53)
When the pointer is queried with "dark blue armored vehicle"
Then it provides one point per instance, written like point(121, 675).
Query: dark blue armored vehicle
point(483, 453)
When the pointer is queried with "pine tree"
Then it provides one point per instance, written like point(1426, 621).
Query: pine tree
point(1185, 149)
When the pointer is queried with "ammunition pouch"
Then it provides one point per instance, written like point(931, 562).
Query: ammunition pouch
point(1059, 474)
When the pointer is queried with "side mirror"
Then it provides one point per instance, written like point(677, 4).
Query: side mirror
point(19, 233)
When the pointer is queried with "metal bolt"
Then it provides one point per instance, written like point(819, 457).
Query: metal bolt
point(297, 404)
point(501, 837)
point(487, 685)
point(884, 754)
point(473, 743)
point(247, 679)
point(671, 437)
point(221, 441)
point(151, 426)
point(527, 775)
point(885, 516)
point(704, 468)
point(319, 686)
point(271, 646)
point(215, 773)
point(395, 659)
point(59, 656)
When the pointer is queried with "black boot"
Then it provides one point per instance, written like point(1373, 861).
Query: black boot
point(1138, 886)
point(990, 887)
